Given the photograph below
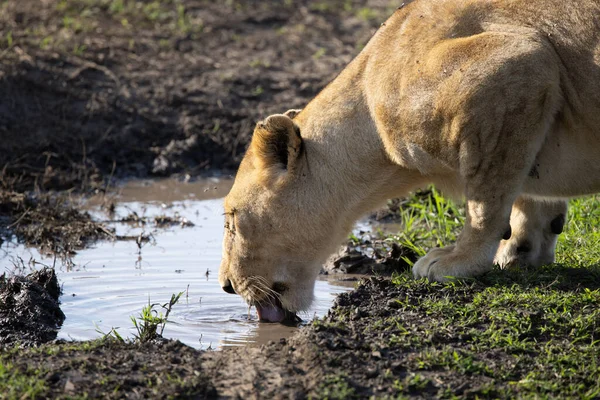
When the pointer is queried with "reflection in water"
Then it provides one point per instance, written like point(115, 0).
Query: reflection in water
point(114, 280)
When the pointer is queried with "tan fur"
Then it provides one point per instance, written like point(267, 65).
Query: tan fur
point(535, 225)
point(491, 99)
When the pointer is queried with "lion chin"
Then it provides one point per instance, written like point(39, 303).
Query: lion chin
point(493, 101)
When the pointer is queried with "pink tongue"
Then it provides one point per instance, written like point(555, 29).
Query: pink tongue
point(270, 313)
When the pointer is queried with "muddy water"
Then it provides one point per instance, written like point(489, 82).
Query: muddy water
point(107, 284)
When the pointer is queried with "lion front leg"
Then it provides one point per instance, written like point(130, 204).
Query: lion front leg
point(493, 181)
point(473, 254)
point(494, 168)
point(500, 117)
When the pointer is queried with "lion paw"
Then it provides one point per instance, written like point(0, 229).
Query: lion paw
point(446, 263)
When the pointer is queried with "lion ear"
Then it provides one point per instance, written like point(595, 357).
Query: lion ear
point(292, 113)
point(276, 145)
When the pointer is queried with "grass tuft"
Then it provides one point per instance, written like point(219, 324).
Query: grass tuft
point(150, 320)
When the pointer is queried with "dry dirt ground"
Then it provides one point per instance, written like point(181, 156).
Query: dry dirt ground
point(157, 87)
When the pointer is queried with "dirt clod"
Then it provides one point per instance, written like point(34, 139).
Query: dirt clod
point(353, 259)
point(49, 222)
point(29, 308)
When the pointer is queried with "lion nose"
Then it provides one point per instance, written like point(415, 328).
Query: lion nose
point(228, 287)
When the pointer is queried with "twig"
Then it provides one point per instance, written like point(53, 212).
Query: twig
point(19, 219)
point(109, 233)
point(86, 64)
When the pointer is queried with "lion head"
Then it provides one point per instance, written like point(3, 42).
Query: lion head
point(276, 235)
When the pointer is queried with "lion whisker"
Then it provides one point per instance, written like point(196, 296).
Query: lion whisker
point(262, 282)
point(269, 294)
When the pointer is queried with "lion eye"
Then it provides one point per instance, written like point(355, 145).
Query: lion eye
point(230, 222)
point(230, 227)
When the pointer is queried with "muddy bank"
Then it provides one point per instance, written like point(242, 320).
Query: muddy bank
point(29, 308)
point(48, 221)
point(106, 369)
point(512, 334)
point(93, 90)
point(407, 338)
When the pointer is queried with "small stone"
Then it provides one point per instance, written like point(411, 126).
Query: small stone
point(371, 373)
point(394, 304)
point(358, 313)
point(69, 386)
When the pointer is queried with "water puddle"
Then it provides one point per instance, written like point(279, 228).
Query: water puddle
point(113, 280)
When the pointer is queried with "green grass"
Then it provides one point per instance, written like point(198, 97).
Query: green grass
point(533, 333)
point(525, 332)
point(335, 387)
point(149, 321)
point(511, 334)
point(428, 220)
point(579, 245)
point(149, 324)
point(14, 384)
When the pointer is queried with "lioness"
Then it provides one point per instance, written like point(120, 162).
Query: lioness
point(497, 100)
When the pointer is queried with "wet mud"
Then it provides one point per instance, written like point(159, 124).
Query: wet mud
point(105, 369)
point(48, 221)
point(370, 257)
point(389, 339)
point(30, 313)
